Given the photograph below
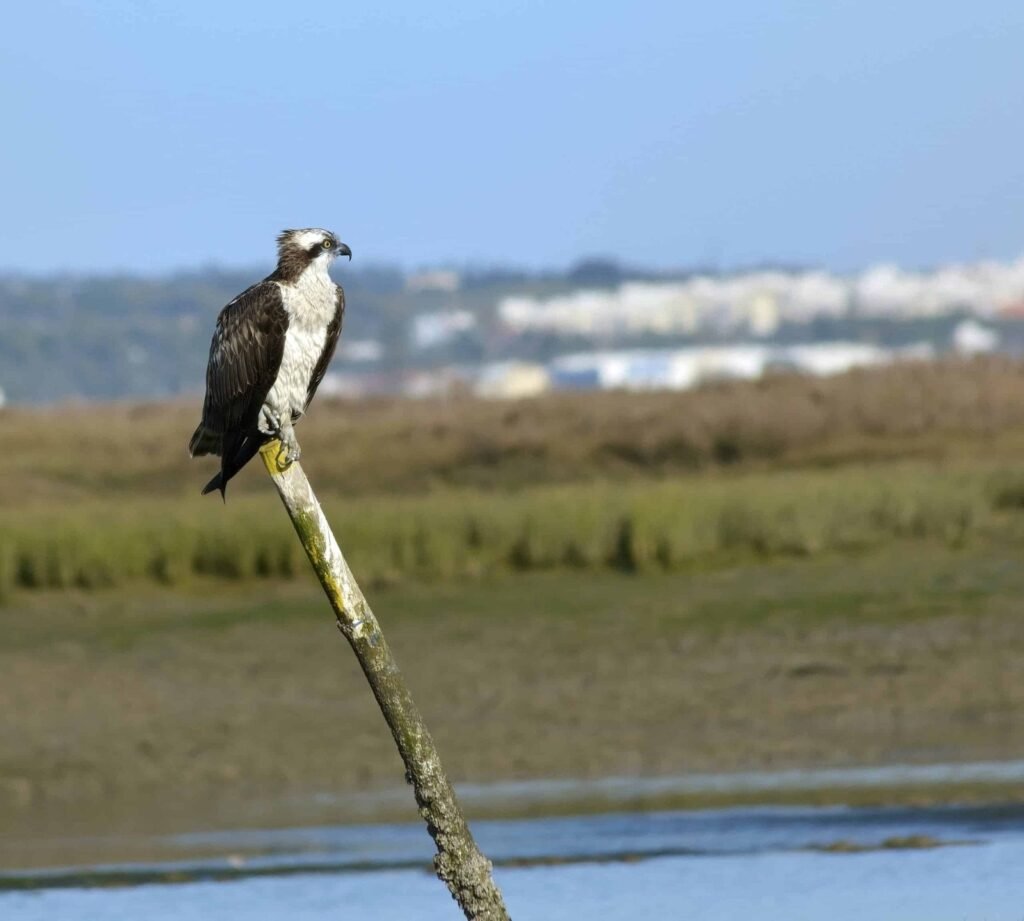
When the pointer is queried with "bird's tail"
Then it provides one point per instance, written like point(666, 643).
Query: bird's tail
point(233, 460)
point(218, 482)
point(204, 441)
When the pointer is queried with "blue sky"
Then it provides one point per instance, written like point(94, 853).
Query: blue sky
point(148, 136)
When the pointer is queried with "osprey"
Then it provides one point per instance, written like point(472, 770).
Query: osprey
point(269, 353)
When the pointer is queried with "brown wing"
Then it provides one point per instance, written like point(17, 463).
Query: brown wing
point(330, 344)
point(245, 356)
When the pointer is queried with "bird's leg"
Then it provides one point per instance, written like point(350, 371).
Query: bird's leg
point(268, 423)
point(289, 443)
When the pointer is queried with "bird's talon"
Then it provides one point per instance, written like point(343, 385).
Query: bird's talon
point(288, 452)
point(283, 457)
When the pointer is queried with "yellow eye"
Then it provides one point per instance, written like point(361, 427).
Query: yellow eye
point(327, 244)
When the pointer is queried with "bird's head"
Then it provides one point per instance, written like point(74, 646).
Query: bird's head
point(297, 250)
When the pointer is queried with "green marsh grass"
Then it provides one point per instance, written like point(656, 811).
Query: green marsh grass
point(634, 526)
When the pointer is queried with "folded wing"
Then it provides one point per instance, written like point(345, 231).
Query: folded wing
point(245, 356)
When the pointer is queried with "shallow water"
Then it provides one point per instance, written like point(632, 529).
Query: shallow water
point(722, 863)
point(935, 885)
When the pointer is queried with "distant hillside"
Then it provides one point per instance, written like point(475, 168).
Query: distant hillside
point(122, 336)
point(112, 336)
point(115, 336)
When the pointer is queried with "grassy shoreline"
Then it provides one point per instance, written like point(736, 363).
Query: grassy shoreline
point(643, 525)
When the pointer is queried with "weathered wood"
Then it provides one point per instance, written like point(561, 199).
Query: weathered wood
point(458, 862)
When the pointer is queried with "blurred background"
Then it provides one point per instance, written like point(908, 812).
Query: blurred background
point(674, 433)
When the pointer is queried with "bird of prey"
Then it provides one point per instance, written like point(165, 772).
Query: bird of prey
point(269, 352)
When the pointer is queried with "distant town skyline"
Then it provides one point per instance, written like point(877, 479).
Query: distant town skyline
point(168, 135)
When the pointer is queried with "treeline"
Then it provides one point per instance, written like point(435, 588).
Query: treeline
point(124, 336)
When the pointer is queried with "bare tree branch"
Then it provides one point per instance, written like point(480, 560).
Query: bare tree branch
point(458, 862)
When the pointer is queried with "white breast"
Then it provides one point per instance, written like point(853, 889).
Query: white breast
point(310, 303)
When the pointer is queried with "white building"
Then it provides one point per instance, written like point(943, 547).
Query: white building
point(680, 369)
point(430, 330)
point(360, 351)
point(971, 338)
point(511, 380)
point(757, 303)
point(443, 280)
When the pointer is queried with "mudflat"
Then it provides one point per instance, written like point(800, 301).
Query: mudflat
point(208, 706)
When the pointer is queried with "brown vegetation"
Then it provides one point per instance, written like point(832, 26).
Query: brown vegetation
point(378, 446)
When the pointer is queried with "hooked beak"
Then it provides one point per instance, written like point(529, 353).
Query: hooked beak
point(343, 250)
